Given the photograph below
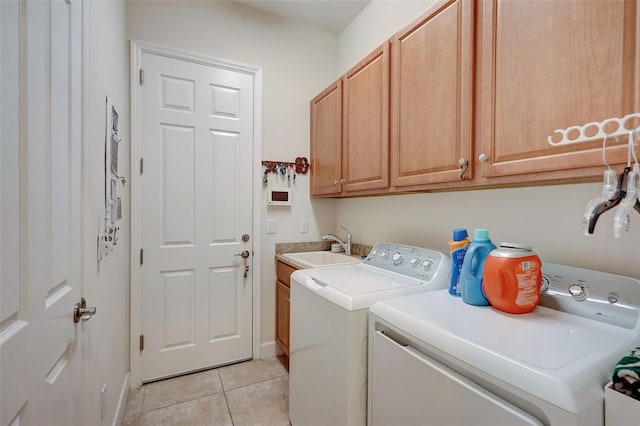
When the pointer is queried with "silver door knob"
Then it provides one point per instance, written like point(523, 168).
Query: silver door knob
point(244, 254)
point(81, 312)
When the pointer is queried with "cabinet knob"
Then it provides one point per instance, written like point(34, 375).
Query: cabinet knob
point(336, 182)
point(343, 180)
point(483, 157)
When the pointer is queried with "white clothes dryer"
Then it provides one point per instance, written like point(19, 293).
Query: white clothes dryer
point(328, 339)
point(434, 360)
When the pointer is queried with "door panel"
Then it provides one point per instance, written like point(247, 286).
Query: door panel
point(197, 142)
point(326, 141)
point(431, 96)
point(405, 384)
point(41, 381)
point(366, 123)
point(581, 69)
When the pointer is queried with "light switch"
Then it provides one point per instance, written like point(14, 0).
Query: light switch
point(304, 226)
point(271, 226)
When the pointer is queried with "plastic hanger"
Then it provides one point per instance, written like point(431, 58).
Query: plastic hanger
point(609, 196)
point(621, 214)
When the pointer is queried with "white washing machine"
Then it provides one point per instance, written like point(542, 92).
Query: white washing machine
point(328, 340)
point(437, 361)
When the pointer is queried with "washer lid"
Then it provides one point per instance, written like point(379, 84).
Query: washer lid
point(360, 279)
point(355, 287)
point(558, 357)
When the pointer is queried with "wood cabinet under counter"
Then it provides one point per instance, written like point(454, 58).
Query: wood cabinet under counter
point(283, 288)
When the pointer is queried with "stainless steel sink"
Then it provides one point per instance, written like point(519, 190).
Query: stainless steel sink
point(316, 259)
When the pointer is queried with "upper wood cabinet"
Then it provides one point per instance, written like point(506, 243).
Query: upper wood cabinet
point(350, 130)
point(546, 65)
point(326, 141)
point(365, 152)
point(486, 82)
point(431, 96)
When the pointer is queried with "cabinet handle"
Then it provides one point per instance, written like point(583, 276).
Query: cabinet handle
point(464, 168)
point(483, 157)
point(343, 180)
point(336, 182)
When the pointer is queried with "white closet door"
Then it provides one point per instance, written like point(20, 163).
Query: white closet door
point(40, 268)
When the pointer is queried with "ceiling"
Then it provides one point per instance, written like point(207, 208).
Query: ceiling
point(329, 15)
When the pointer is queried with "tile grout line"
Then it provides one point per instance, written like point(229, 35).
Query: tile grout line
point(226, 401)
point(255, 383)
point(223, 391)
point(228, 408)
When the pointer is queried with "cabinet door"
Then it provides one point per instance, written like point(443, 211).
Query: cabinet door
point(549, 65)
point(282, 316)
point(365, 158)
point(326, 141)
point(431, 95)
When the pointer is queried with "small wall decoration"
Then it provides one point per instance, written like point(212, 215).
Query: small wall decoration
point(283, 168)
point(108, 239)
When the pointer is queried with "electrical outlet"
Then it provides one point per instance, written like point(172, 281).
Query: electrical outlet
point(304, 226)
point(271, 226)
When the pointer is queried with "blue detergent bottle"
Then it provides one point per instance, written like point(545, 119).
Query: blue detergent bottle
point(457, 249)
point(472, 267)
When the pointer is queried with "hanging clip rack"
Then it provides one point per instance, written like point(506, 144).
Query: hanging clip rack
point(623, 195)
point(588, 128)
point(283, 168)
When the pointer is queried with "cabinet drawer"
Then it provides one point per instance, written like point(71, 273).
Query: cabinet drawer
point(283, 272)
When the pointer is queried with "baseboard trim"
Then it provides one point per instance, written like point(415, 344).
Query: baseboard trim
point(269, 350)
point(122, 401)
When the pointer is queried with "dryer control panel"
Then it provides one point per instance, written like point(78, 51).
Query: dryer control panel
point(415, 262)
point(596, 295)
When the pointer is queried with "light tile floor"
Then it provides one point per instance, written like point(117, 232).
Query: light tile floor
point(249, 393)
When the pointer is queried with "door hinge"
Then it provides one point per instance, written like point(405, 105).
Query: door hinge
point(141, 256)
point(141, 342)
point(141, 166)
point(141, 76)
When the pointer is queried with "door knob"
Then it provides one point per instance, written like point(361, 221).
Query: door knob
point(244, 254)
point(81, 312)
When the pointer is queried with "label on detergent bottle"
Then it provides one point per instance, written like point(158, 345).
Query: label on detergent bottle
point(457, 249)
point(527, 273)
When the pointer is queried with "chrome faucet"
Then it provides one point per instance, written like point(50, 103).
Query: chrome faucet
point(346, 245)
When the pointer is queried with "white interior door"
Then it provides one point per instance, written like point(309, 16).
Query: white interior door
point(196, 190)
point(40, 241)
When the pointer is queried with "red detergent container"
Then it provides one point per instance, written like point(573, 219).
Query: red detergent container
point(511, 278)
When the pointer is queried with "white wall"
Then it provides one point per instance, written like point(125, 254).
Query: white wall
point(106, 285)
point(548, 218)
point(297, 61)
point(377, 22)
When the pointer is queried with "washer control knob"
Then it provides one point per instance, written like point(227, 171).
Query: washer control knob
point(375, 253)
point(544, 286)
point(413, 262)
point(397, 259)
point(578, 292)
point(427, 265)
point(384, 255)
point(612, 297)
